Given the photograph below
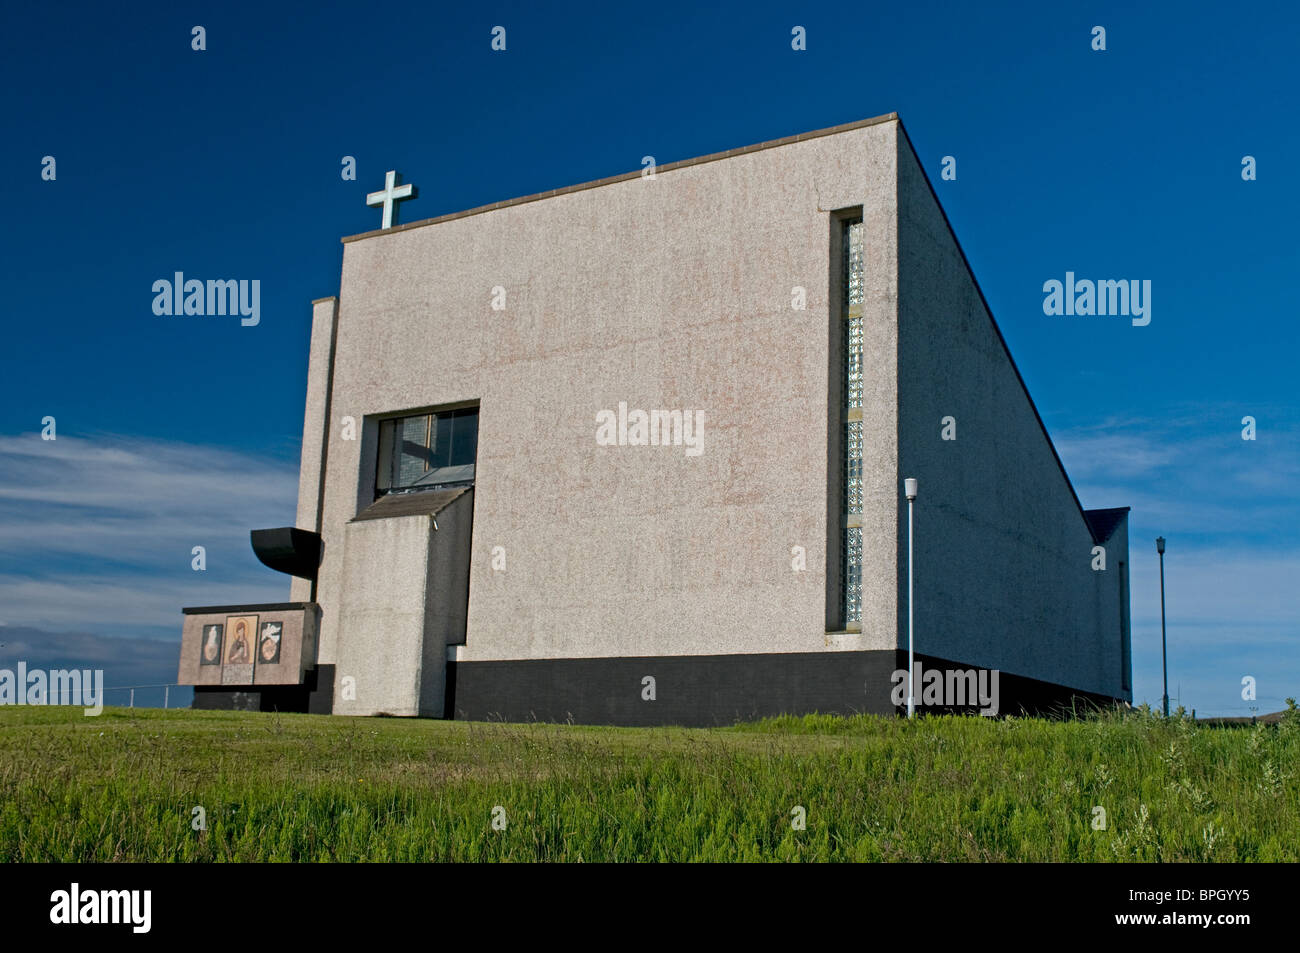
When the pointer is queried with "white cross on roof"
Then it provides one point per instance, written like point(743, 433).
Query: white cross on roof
point(389, 196)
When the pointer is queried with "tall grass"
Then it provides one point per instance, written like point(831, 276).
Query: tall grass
point(124, 786)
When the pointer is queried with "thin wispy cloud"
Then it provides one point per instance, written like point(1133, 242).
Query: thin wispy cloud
point(96, 533)
point(1229, 510)
point(1191, 473)
point(127, 604)
point(80, 492)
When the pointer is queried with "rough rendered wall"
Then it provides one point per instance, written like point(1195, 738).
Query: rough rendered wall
point(445, 608)
point(324, 314)
point(666, 293)
point(385, 567)
point(1114, 623)
point(1003, 576)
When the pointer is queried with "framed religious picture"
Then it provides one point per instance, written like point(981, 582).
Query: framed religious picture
point(268, 643)
point(239, 639)
point(210, 645)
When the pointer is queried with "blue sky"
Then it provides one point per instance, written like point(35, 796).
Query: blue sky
point(175, 432)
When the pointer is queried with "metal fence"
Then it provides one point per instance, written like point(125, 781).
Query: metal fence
point(126, 693)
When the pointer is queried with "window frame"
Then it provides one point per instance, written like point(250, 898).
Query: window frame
point(387, 465)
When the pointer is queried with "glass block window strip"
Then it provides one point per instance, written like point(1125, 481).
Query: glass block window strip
point(853, 575)
point(853, 467)
point(853, 264)
point(852, 298)
point(853, 362)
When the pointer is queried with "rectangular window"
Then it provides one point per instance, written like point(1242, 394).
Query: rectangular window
point(1125, 657)
point(425, 451)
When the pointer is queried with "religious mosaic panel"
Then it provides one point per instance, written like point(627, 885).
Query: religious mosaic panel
point(271, 644)
point(239, 634)
point(210, 646)
point(268, 643)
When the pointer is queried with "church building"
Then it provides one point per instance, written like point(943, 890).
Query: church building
point(634, 452)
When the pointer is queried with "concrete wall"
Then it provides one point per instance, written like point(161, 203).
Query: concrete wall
point(688, 690)
point(1003, 552)
point(298, 623)
point(385, 573)
point(446, 605)
point(324, 321)
point(667, 293)
point(1114, 626)
point(403, 603)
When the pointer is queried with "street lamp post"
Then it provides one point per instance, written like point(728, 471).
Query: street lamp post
point(1164, 660)
point(909, 490)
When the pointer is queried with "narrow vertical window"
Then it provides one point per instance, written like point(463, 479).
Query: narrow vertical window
point(1125, 659)
point(851, 315)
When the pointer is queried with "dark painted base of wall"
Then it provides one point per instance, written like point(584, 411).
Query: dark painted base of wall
point(320, 690)
point(1018, 695)
point(315, 695)
point(709, 690)
point(278, 698)
point(697, 690)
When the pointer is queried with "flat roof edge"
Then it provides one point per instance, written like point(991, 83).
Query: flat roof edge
point(247, 607)
point(627, 176)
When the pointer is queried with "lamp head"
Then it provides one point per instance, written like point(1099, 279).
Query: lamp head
point(909, 488)
point(1160, 545)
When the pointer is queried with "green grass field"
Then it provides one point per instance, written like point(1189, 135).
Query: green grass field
point(123, 786)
